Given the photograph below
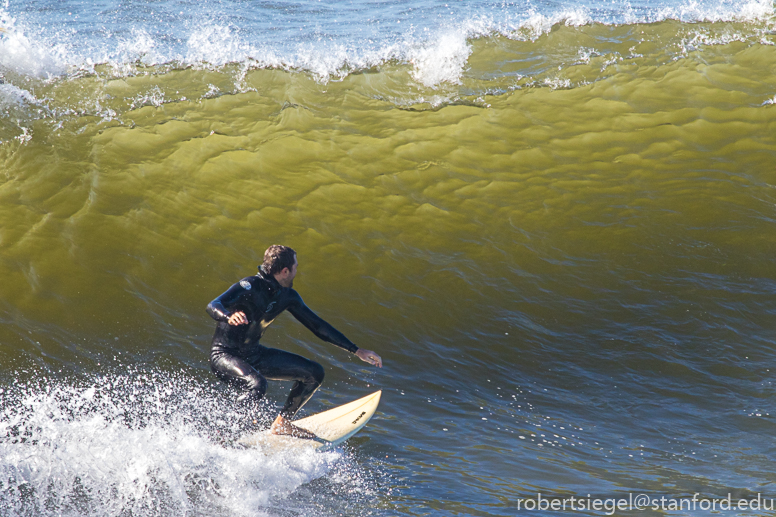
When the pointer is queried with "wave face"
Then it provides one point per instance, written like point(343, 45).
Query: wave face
point(553, 220)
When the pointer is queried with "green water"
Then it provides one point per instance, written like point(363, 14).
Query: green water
point(605, 230)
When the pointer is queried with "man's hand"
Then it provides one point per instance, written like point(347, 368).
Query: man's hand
point(238, 318)
point(369, 357)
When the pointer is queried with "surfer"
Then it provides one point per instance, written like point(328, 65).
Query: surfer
point(243, 314)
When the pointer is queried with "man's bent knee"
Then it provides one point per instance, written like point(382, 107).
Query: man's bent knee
point(317, 373)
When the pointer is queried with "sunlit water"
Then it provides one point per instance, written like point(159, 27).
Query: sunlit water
point(554, 221)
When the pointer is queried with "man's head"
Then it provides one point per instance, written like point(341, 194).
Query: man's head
point(280, 262)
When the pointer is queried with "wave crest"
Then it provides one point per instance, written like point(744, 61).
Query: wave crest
point(436, 43)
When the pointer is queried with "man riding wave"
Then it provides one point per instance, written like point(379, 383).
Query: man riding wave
point(244, 312)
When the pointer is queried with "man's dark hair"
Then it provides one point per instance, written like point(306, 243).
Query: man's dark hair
point(276, 258)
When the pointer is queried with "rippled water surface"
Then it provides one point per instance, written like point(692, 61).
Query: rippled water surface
point(553, 220)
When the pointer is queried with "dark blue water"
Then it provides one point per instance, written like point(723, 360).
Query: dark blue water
point(553, 220)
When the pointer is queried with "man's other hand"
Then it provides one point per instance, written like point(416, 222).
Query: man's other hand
point(369, 357)
point(238, 318)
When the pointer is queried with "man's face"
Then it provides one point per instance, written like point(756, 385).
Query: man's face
point(286, 277)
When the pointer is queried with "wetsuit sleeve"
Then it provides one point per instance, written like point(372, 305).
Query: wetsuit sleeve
point(219, 309)
point(318, 326)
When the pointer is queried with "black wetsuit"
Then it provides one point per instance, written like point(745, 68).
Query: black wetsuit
point(237, 356)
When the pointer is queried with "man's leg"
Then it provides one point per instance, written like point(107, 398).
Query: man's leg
point(307, 376)
point(230, 368)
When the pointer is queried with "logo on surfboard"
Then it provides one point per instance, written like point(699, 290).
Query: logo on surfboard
point(359, 417)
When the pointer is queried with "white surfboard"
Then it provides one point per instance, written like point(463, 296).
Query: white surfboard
point(332, 427)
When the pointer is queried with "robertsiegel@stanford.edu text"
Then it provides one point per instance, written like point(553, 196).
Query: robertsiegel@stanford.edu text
point(609, 505)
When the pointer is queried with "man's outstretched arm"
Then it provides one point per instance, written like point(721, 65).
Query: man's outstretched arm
point(326, 332)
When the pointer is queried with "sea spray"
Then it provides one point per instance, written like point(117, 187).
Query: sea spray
point(140, 442)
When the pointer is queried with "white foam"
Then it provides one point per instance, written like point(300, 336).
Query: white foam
point(136, 445)
point(441, 61)
point(139, 46)
point(217, 45)
point(324, 60)
point(154, 97)
point(726, 10)
point(557, 83)
point(436, 44)
point(536, 24)
point(27, 56)
point(693, 11)
point(13, 96)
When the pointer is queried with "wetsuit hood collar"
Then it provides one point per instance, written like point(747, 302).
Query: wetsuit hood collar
point(272, 283)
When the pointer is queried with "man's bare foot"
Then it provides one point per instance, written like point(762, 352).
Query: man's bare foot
point(283, 426)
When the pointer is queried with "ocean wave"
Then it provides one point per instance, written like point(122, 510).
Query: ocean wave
point(436, 45)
